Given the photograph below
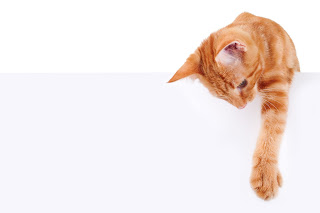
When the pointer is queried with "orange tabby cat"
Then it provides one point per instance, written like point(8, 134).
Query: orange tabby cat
point(251, 55)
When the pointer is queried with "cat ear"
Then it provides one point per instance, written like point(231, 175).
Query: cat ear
point(231, 54)
point(190, 67)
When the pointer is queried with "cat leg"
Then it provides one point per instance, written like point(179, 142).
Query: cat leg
point(265, 176)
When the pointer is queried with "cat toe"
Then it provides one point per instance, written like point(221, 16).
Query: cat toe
point(265, 181)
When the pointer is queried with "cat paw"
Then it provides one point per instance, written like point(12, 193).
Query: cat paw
point(265, 179)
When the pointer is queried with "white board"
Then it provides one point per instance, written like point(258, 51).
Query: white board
point(132, 143)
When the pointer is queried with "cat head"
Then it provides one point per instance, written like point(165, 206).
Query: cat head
point(227, 66)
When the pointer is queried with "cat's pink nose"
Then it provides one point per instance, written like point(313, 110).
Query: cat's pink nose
point(241, 107)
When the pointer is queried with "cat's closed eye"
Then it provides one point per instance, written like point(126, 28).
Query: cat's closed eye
point(243, 84)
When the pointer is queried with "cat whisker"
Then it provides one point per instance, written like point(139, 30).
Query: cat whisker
point(273, 105)
point(266, 97)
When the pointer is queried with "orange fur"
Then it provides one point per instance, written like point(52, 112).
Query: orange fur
point(252, 55)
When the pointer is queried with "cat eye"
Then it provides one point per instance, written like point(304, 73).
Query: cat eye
point(243, 84)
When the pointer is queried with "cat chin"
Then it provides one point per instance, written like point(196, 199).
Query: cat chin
point(242, 107)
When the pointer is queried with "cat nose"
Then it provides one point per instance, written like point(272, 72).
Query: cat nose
point(243, 106)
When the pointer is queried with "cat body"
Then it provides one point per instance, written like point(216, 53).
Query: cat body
point(252, 55)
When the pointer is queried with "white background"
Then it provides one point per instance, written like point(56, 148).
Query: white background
point(131, 143)
point(70, 36)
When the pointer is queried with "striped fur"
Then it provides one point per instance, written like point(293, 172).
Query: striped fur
point(260, 51)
